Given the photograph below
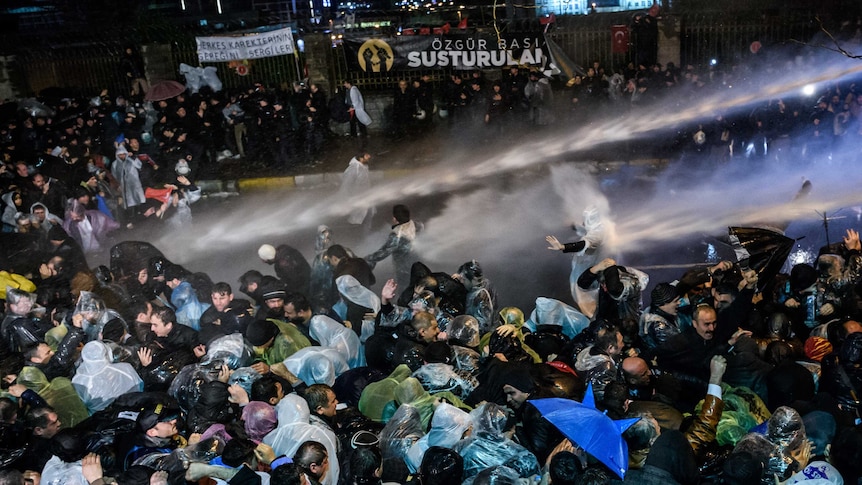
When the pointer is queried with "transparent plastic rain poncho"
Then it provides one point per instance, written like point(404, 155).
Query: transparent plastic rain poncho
point(378, 394)
point(554, 312)
point(497, 475)
point(294, 429)
point(15, 296)
point(401, 433)
point(59, 394)
point(232, 350)
point(448, 425)
point(259, 419)
point(189, 308)
point(411, 392)
point(438, 377)
point(92, 308)
point(488, 446)
point(244, 377)
point(338, 337)
point(186, 386)
point(317, 365)
point(351, 289)
point(464, 331)
point(58, 472)
point(786, 431)
point(175, 462)
point(98, 381)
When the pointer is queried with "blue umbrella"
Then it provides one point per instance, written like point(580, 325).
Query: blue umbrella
point(590, 429)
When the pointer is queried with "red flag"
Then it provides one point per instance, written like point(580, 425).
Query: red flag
point(463, 23)
point(619, 39)
point(408, 32)
point(424, 30)
point(548, 19)
point(437, 30)
point(446, 27)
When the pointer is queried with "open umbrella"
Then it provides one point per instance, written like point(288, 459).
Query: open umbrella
point(164, 90)
point(762, 250)
point(590, 429)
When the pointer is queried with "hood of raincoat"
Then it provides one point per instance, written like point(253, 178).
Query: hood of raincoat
point(294, 429)
point(350, 288)
point(317, 365)
point(58, 393)
point(337, 337)
point(16, 297)
point(378, 394)
point(463, 330)
point(448, 425)
point(786, 431)
point(410, 391)
point(259, 419)
point(99, 381)
point(549, 311)
point(489, 420)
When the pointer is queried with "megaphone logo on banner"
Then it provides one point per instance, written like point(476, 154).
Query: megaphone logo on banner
point(375, 55)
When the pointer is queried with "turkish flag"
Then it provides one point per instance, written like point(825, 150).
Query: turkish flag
point(619, 39)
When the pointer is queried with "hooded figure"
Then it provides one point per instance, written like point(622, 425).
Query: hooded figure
point(19, 330)
point(212, 407)
point(58, 393)
point(378, 394)
point(356, 300)
point(50, 220)
point(333, 335)
point(399, 245)
point(488, 445)
point(259, 420)
point(356, 181)
point(294, 429)
point(786, 430)
point(448, 426)
point(316, 365)
point(89, 228)
point(126, 169)
point(99, 382)
point(411, 392)
point(463, 334)
point(400, 433)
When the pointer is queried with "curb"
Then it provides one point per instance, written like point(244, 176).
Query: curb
point(259, 184)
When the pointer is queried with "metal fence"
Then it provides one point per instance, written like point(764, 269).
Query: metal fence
point(704, 38)
point(83, 69)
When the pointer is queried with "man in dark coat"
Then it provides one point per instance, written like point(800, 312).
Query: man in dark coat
point(291, 267)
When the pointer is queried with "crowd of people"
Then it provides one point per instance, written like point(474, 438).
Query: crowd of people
point(731, 375)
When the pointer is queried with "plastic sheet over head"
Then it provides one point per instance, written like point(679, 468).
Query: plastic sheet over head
point(442, 377)
point(317, 365)
point(244, 377)
point(231, 350)
point(92, 308)
point(463, 330)
point(98, 381)
point(401, 432)
point(186, 386)
point(351, 289)
point(488, 446)
point(549, 311)
point(15, 296)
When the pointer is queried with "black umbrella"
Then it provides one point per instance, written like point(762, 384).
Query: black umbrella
point(762, 250)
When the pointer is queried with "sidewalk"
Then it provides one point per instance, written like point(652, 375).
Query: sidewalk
point(390, 158)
